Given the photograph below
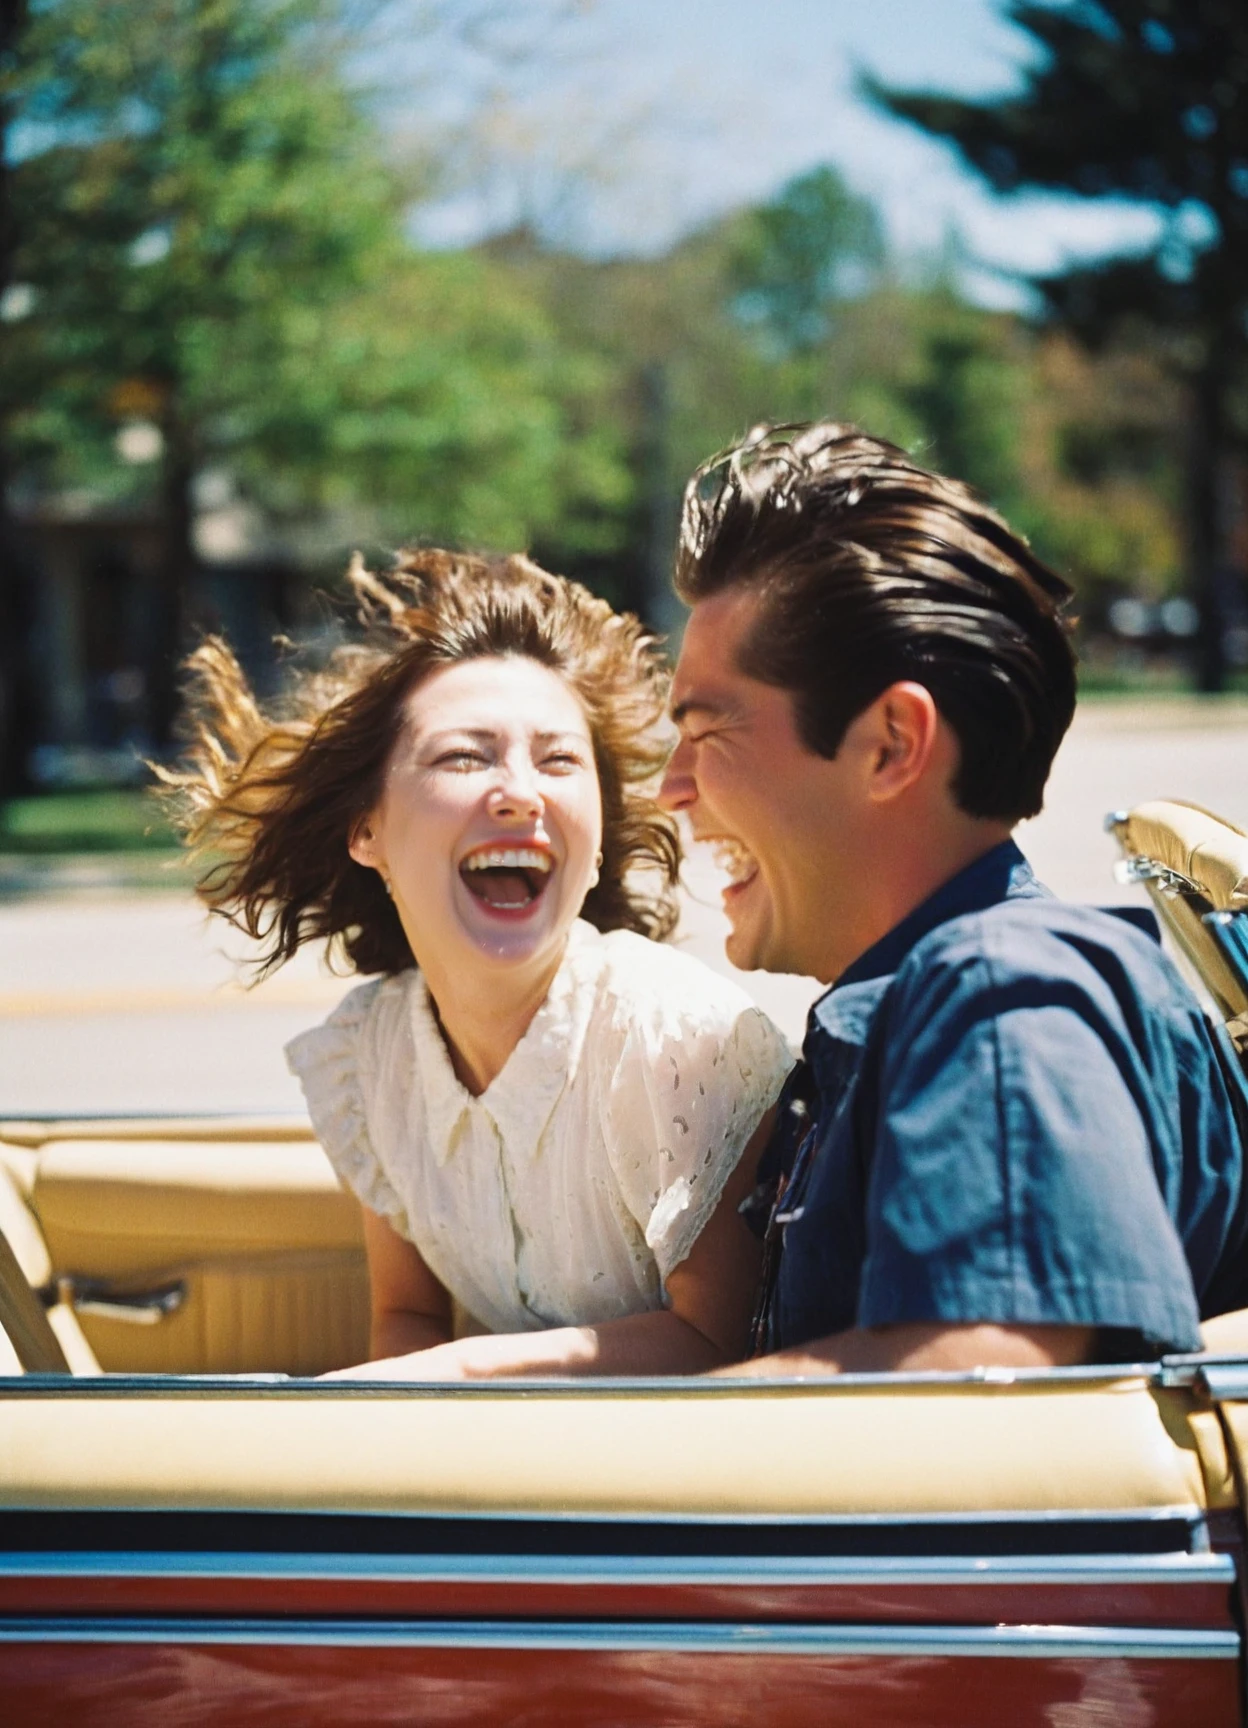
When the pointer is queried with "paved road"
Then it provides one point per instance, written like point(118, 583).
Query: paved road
point(116, 1001)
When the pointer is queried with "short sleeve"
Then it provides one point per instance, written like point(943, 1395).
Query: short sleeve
point(1013, 1179)
point(330, 1062)
point(687, 1093)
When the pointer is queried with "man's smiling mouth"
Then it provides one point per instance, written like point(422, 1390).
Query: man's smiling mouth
point(507, 878)
point(736, 861)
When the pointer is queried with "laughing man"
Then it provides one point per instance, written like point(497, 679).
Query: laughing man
point(1011, 1140)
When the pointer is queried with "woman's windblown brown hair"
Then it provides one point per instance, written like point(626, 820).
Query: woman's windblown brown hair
point(268, 800)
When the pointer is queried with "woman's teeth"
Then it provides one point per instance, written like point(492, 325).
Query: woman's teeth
point(734, 860)
point(509, 858)
point(507, 877)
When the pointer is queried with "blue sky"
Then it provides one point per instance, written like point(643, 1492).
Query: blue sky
point(623, 123)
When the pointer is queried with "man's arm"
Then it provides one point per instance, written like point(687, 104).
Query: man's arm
point(1014, 1208)
point(951, 1349)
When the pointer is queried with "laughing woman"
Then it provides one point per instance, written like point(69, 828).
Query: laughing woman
point(549, 1116)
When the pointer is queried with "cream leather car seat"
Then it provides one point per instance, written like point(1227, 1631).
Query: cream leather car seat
point(1195, 867)
point(1193, 864)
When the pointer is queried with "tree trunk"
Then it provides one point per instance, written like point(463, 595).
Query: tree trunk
point(1207, 573)
point(660, 506)
point(167, 638)
point(17, 683)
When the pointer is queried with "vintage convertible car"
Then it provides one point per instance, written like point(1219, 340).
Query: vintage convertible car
point(194, 1532)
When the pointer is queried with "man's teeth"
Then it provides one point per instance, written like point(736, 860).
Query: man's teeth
point(736, 862)
point(509, 858)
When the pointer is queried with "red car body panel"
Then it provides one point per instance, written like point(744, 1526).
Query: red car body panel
point(209, 1602)
point(259, 1686)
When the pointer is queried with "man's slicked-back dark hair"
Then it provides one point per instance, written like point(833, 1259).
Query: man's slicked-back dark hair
point(874, 570)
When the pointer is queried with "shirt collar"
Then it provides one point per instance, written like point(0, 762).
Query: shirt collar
point(844, 1011)
point(518, 1101)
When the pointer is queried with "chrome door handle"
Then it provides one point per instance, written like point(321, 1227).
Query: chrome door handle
point(97, 1296)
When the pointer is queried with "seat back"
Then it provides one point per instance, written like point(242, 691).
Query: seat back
point(1194, 866)
point(34, 1338)
point(186, 1254)
point(24, 1322)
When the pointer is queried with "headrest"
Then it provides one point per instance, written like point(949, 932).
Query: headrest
point(1207, 849)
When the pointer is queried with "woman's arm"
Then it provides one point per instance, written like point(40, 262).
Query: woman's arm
point(410, 1308)
point(711, 1294)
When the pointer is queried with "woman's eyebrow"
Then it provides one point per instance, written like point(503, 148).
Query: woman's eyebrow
point(487, 734)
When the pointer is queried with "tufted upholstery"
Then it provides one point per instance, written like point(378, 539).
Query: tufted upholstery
point(1192, 862)
point(1209, 851)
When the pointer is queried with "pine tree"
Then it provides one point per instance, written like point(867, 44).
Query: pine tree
point(1145, 100)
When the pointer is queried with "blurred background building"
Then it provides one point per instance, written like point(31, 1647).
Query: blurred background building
point(280, 278)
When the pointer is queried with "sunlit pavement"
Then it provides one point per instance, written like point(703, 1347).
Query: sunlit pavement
point(117, 1000)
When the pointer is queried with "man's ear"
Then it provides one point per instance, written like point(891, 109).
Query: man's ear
point(905, 725)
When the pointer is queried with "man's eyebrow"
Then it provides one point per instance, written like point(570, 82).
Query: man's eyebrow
point(695, 705)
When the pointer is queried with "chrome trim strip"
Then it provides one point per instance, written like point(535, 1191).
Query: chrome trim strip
point(667, 1386)
point(736, 1571)
point(1036, 1643)
point(175, 1122)
point(1138, 867)
point(1224, 1381)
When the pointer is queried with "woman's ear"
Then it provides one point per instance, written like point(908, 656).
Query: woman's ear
point(363, 846)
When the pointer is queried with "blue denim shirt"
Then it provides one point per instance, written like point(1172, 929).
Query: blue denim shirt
point(1010, 1110)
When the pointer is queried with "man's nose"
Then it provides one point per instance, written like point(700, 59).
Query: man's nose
point(679, 788)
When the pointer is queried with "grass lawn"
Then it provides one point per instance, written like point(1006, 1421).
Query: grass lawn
point(124, 820)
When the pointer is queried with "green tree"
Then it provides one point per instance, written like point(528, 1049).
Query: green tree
point(1070, 445)
point(792, 259)
point(450, 402)
point(197, 177)
point(1145, 100)
point(725, 329)
point(211, 234)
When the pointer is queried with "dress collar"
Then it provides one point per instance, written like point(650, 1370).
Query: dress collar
point(845, 1011)
point(520, 1099)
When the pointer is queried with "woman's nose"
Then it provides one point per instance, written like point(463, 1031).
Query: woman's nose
point(517, 793)
point(679, 789)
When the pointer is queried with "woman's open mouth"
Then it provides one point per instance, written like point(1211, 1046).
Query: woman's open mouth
point(507, 878)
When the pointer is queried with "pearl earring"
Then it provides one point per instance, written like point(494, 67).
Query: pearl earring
point(593, 880)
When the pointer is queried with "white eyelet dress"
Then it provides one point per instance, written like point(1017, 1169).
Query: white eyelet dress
point(567, 1192)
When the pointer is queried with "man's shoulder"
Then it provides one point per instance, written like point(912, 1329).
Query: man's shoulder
point(1037, 952)
point(1041, 937)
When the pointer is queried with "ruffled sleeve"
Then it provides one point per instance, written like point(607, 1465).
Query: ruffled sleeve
point(697, 1070)
point(332, 1063)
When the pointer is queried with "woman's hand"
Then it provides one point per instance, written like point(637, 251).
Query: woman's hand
point(441, 1362)
point(711, 1294)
